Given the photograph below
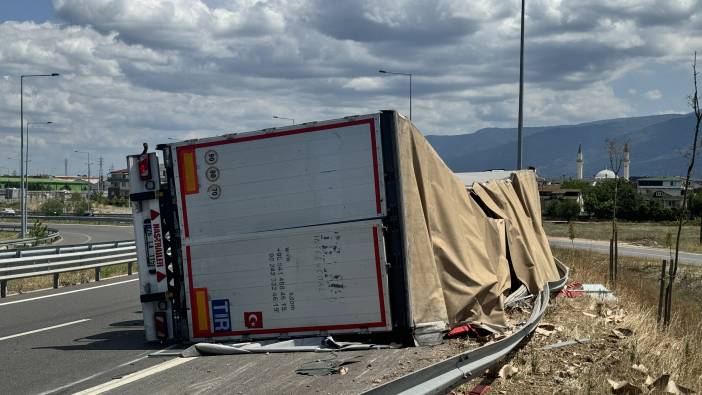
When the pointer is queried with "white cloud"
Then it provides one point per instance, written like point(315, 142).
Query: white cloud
point(654, 94)
point(135, 70)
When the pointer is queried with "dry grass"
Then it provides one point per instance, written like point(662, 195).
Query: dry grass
point(585, 368)
point(65, 279)
point(652, 234)
point(8, 235)
point(677, 349)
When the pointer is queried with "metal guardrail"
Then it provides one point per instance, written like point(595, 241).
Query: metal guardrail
point(111, 218)
point(42, 261)
point(52, 236)
point(118, 218)
point(437, 378)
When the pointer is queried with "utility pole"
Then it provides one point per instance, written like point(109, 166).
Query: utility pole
point(23, 175)
point(100, 184)
point(521, 95)
point(65, 166)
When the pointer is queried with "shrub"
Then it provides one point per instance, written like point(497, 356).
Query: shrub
point(52, 207)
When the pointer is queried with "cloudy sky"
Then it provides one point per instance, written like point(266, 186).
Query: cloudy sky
point(149, 70)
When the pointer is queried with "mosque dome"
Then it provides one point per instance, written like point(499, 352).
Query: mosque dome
point(603, 174)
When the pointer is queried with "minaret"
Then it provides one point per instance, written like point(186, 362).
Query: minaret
point(580, 162)
point(626, 161)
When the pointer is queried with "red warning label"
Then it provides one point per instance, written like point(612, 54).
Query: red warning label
point(158, 245)
point(154, 214)
point(253, 319)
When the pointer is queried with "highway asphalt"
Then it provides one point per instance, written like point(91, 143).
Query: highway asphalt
point(64, 340)
point(626, 250)
point(83, 233)
point(82, 337)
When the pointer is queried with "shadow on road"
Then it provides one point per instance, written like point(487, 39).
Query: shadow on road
point(124, 339)
point(129, 323)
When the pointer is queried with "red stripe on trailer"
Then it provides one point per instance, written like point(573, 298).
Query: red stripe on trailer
point(241, 139)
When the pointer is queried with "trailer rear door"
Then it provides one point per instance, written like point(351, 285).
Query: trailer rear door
point(318, 279)
point(281, 230)
point(318, 174)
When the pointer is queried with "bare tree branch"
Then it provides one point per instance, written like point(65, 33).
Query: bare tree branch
point(694, 102)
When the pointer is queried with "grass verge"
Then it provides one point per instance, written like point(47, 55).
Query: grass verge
point(651, 234)
point(25, 285)
point(8, 235)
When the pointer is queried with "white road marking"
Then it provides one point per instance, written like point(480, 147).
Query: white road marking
point(48, 328)
point(68, 292)
point(130, 378)
point(141, 356)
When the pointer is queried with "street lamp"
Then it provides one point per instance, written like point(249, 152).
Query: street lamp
point(26, 169)
point(89, 187)
point(521, 95)
point(410, 83)
point(22, 192)
point(287, 119)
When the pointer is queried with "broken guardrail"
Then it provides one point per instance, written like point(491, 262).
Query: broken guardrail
point(437, 378)
point(42, 261)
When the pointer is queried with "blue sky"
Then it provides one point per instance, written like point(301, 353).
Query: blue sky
point(148, 70)
point(26, 10)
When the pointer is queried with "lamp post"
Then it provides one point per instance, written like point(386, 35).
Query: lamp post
point(26, 169)
point(410, 86)
point(521, 94)
point(89, 187)
point(287, 119)
point(22, 192)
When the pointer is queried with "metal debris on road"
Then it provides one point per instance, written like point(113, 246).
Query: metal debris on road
point(325, 367)
point(307, 344)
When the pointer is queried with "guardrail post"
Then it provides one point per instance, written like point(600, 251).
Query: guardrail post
point(97, 273)
point(3, 288)
point(129, 268)
point(56, 280)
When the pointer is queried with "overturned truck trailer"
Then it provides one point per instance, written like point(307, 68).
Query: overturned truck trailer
point(344, 226)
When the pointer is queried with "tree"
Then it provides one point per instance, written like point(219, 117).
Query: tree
point(565, 209)
point(695, 104)
point(52, 207)
point(78, 204)
point(581, 185)
point(38, 231)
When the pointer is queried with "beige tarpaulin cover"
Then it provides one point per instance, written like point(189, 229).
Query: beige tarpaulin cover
point(524, 183)
point(527, 245)
point(456, 255)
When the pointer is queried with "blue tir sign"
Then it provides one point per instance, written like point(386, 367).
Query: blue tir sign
point(221, 321)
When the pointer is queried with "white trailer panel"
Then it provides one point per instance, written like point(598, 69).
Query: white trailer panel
point(300, 176)
point(317, 279)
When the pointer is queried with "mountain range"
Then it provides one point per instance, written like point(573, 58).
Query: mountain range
point(658, 146)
